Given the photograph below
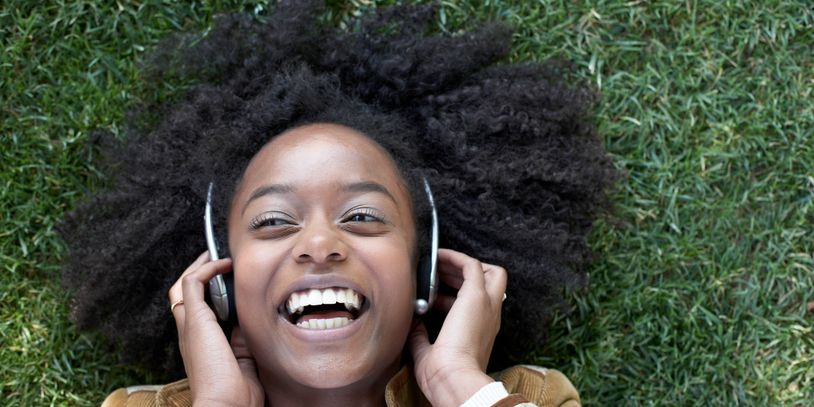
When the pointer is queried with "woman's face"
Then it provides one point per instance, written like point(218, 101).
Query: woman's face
point(323, 216)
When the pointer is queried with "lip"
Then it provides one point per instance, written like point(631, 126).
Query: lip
point(320, 282)
point(324, 335)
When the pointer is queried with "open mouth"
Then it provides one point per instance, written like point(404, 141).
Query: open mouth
point(326, 308)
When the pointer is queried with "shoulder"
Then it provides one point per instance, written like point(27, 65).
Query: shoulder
point(525, 385)
point(541, 386)
point(172, 394)
point(538, 385)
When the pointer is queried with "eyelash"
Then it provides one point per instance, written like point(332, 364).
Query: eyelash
point(267, 220)
point(270, 219)
point(366, 212)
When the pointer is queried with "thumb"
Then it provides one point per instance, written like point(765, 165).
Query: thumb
point(241, 350)
point(419, 341)
point(248, 367)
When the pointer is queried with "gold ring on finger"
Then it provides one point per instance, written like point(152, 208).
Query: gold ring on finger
point(175, 304)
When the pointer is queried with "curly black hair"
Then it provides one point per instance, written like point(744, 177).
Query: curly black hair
point(511, 152)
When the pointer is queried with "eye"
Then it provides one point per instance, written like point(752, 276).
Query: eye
point(271, 220)
point(365, 222)
point(363, 215)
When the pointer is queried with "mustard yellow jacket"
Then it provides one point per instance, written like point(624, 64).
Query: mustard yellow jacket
point(526, 384)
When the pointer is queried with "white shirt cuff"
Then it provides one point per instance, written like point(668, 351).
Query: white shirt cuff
point(487, 395)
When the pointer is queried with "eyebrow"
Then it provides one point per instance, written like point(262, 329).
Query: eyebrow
point(355, 187)
point(264, 190)
point(368, 186)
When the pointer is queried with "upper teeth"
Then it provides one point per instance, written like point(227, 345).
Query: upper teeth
point(299, 300)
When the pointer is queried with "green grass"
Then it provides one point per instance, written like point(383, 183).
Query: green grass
point(704, 272)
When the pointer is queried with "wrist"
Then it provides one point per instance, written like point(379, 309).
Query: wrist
point(454, 388)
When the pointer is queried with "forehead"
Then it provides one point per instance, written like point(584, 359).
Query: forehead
point(318, 154)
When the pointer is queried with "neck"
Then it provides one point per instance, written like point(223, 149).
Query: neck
point(284, 392)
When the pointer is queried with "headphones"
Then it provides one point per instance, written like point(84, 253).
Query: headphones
point(222, 287)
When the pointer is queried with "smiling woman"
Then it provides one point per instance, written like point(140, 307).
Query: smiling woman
point(319, 142)
point(345, 223)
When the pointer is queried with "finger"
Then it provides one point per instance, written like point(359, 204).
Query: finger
point(194, 282)
point(193, 296)
point(246, 363)
point(194, 318)
point(443, 302)
point(471, 268)
point(450, 275)
point(202, 258)
point(496, 280)
point(419, 341)
point(174, 294)
point(244, 357)
point(453, 281)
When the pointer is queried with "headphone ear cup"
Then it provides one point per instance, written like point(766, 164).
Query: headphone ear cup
point(427, 274)
point(229, 279)
point(423, 284)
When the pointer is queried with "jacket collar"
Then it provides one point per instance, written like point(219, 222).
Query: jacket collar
point(401, 390)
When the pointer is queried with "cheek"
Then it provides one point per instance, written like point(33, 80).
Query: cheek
point(255, 267)
point(390, 259)
point(394, 274)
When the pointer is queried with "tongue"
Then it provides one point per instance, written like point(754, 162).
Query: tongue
point(325, 314)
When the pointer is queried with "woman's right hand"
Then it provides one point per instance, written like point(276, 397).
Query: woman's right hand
point(219, 373)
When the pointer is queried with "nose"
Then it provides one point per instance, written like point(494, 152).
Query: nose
point(320, 243)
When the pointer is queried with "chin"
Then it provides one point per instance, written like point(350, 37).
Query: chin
point(333, 372)
point(351, 357)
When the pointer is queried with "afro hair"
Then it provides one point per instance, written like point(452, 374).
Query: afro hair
point(511, 151)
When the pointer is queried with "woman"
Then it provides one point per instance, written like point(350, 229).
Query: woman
point(318, 142)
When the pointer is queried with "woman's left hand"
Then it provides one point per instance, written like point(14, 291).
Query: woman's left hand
point(453, 368)
point(219, 372)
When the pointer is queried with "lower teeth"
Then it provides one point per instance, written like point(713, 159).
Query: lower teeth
point(329, 323)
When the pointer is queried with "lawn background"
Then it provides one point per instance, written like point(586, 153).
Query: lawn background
point(703, 285)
